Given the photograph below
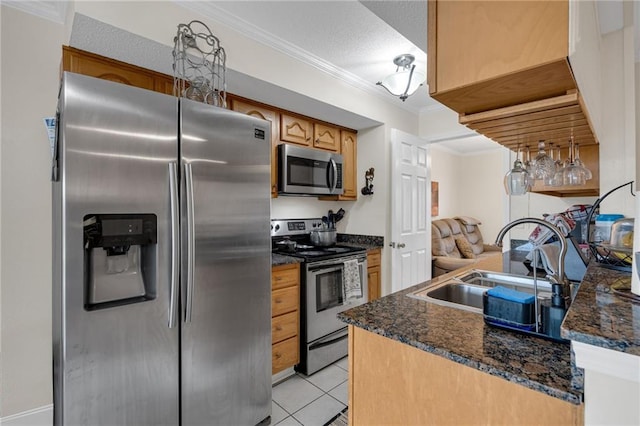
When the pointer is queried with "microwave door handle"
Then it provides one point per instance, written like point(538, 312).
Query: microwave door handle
point(333, 180)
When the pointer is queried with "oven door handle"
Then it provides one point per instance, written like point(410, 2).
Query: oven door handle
point(330, 339)
point(327, 268)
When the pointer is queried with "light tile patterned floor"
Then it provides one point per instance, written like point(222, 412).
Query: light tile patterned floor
point(312, 400)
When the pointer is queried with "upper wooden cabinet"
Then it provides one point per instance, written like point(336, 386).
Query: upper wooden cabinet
point(296, 129)
point(286, 127)
point(488, 54)
point(271, 116)
point(349, 152)
point(326, 137)
point(493, 61)
point(81, 62)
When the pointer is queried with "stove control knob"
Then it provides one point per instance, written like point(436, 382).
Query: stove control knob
point(277, 228)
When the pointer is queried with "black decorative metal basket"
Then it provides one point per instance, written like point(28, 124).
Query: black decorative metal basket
point(618, 258)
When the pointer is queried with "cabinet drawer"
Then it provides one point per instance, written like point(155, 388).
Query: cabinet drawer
point(373, 258)
point(285, 276)
point(284, 327)
point(284, 300)
point(284, 354)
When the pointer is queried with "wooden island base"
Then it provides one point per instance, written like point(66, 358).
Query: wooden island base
point(391, 383)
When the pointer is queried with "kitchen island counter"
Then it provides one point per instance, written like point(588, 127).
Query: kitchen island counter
point(463, 337)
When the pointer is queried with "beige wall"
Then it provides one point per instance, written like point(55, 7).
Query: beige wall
point(30, 61)
point(470, 185)
point(445, 169)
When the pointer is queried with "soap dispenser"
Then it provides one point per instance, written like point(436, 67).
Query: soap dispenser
point(553, 313)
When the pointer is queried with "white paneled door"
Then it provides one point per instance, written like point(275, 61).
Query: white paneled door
point(410, 210)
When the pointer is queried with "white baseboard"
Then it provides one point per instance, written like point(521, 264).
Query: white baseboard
point(41, 416)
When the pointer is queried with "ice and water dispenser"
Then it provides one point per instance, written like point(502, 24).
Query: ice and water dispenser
point(119, 259)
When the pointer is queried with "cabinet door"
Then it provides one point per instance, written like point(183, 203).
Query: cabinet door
point(272, 117)
point(348, 149)
point(163, 85)
point(326, 137)
point(373, 273)
point(86, 63)
point(295, 129)
point(373, 276)
point(486, 54)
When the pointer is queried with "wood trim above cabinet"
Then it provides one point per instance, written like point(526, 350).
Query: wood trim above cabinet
point(91, 64)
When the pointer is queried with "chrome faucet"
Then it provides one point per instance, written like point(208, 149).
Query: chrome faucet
point(559, 277)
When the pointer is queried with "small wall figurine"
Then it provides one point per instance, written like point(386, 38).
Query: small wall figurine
point(368, 187)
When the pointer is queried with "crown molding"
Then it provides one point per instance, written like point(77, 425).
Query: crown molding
point(55, 11)
point(221, 16)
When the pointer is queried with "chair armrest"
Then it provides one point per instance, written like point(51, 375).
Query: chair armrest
point(451, 263)
point(491, 247)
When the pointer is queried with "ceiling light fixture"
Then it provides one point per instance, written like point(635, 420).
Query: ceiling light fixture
point(406, 80)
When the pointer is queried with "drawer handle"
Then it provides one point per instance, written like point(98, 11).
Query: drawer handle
point(278, 355)
point(278, 300)
point(278, 328)
point(278, 278)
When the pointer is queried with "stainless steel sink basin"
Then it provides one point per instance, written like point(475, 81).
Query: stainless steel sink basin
point(465, 291)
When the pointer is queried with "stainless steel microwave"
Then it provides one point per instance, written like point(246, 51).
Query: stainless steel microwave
point(306, 171)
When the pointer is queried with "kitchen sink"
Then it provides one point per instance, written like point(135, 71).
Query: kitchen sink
point(465, 291)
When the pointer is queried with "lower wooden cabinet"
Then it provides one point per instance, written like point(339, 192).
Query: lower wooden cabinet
point(394, 383)
point(285, 316)
point(373, 273)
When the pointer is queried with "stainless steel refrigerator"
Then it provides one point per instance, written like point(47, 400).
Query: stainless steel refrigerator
point(161, 260)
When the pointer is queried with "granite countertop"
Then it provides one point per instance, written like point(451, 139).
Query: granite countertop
point(600, 317)
point(463, 337)
point(278, 259)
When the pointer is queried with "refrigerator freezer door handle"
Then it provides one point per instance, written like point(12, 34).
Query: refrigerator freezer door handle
point(175, 243)
point(191, 242)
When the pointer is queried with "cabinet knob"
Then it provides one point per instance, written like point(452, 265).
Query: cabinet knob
point(278, 328)
point(278, 300)
point(278, 355)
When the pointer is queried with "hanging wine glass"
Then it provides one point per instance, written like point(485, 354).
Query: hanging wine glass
point(573, 175)
point(544, 167)
point(549, 180)
point(529, 166)
point(516, 181)
point(557, 177)
point(578, 162)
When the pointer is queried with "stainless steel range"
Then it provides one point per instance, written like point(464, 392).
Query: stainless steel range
point(334, 279)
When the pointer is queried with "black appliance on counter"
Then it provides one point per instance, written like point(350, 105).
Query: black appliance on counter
point(324, 291)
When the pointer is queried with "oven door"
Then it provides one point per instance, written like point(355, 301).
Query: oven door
point(325, 295)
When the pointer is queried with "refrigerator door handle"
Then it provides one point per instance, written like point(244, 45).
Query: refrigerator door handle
point(191, 242)
point(175, 243)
